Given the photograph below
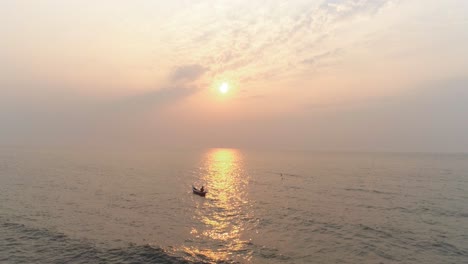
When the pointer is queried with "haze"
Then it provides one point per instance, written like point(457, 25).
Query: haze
point(311, 75)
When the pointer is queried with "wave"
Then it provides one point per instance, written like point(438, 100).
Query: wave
point(369, 191)
point(23, 244)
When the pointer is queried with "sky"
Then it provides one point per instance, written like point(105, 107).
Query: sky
point(351, 75)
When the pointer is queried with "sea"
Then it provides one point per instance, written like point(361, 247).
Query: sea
point(116, 206)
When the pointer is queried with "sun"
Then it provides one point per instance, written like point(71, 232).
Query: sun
point(224, 88)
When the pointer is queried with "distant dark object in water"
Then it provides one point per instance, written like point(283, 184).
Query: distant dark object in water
point(200, 192)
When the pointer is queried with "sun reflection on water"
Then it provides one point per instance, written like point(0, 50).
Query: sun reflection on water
point(221, 219)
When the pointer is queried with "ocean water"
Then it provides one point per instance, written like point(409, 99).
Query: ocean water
point(64, 206)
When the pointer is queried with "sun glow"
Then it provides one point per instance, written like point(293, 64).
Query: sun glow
point(224, 88)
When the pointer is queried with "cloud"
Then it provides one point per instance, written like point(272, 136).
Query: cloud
point(322, 57)
point(182, 83)
point(188, 73)
point(342, 9)
point(274, 39)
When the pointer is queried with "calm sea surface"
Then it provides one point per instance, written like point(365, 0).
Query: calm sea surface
point(261, 207)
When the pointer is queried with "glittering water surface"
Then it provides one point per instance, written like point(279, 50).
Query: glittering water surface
point(261, 207)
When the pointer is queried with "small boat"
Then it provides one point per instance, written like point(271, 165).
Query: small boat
point(198, 192)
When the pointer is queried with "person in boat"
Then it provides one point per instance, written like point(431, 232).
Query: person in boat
point(202, 189)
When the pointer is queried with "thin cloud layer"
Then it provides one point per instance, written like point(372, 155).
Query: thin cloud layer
point(274, 37)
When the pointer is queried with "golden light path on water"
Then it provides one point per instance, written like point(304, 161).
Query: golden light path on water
point(225, 212)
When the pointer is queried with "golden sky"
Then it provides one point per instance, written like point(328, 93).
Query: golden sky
point(301, 74)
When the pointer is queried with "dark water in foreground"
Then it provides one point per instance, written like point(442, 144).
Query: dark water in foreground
point(290, 207)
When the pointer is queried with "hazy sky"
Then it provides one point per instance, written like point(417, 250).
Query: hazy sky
point(320, 75)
